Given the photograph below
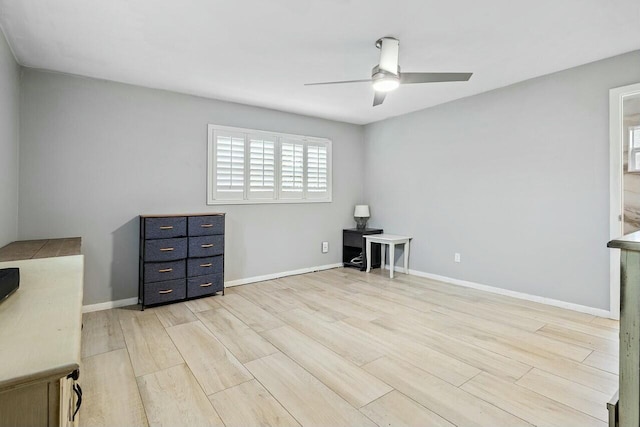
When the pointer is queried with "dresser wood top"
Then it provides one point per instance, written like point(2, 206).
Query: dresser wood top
point(41, 323)
point(176, 215)
point(46, 248)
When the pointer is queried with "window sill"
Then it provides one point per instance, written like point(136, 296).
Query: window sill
point(266, 202)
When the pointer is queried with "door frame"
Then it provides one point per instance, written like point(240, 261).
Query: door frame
point(616, 191)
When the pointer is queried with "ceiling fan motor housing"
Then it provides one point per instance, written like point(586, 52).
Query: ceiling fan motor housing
point(389, 48)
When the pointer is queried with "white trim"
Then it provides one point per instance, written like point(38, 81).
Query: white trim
point(272, 276)
point(616, 195)
point(514, 294)
point(133, 301)
point(520, 295)
point(266, 201)
point(270, 133)
point(109, 304)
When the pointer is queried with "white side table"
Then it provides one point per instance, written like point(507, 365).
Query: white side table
point(390, 240)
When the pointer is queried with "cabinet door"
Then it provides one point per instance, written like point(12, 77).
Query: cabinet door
point(24, 406)
point(352, 239)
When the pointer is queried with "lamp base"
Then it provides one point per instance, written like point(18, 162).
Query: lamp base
point(361, 222)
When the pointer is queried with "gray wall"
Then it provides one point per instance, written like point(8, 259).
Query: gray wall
point(516, 180)
point(9, 107)
point(95, 154)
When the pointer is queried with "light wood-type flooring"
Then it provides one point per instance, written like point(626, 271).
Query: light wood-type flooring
point(345, 348)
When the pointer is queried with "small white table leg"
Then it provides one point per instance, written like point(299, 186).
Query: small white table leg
point(406, 257)
point(382, 254)
point(368, 255)
point(392, 258)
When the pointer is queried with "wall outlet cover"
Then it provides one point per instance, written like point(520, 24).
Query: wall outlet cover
point(456, 257)
point(325, 247)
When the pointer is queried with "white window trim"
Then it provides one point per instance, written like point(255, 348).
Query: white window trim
point(211, 165)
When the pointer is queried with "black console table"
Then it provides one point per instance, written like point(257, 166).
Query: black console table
point(353, 244)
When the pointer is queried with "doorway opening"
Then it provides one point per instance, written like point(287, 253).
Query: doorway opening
point(624, 129)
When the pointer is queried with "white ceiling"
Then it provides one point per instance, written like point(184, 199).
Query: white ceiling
point(260, 52)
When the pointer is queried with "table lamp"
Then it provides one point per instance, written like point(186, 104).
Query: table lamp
point(361, 215)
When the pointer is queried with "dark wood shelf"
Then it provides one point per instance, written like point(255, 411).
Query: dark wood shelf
point(46, 248)
point(353, 264)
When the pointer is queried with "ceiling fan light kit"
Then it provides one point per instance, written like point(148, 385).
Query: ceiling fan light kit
point(386, 76)
point(384, 81)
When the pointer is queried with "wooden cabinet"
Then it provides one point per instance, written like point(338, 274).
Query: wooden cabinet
point(627, 409)
point(181, 257)
point(40, 343)
point(353, 245)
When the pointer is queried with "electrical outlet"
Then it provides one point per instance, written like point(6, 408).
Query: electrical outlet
point(456, 257)
point(325, 247)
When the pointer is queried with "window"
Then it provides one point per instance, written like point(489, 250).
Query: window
point(634, 149)
point(251, 166)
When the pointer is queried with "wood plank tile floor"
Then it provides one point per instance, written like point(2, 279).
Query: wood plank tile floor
point(346, 348)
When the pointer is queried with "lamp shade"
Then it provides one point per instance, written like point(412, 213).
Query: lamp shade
point(362, 211)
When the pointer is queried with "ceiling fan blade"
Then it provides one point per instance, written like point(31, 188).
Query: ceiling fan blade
point(389, 54)
point(378, 98)
point(408, 78)
point(338, 83)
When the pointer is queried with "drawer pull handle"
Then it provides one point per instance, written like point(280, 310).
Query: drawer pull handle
point(166, 249)
point(168, 291)
point(206, 265)
point(165, 270)
point(206, 285)
point(206, 225)
point(166, 227)
point(208, 245)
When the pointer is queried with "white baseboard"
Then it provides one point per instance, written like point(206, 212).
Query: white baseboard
point(255, 279)
point(520, 295)
point(132, 301)
point(514, 294)
point(109, 304)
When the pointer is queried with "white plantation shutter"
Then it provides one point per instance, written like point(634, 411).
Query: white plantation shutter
point(253, 166)
point(229, 166)
point(261, 167)
point(291, 169)
point(317, 171)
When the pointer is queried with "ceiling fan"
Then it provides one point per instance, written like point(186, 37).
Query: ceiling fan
point(386, 76)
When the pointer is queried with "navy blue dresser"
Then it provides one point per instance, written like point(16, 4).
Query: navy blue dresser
point(181, 257)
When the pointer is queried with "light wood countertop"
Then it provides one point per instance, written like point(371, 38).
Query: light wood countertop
point(41, 323)
point(173, 215)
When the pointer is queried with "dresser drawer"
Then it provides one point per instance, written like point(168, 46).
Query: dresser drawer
point(206, 246)
point(206, 225)
point(164, 228)
point(165, 249)
point(158, 292)
point(204, 285)
point(160, 271)
point(203, 266)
